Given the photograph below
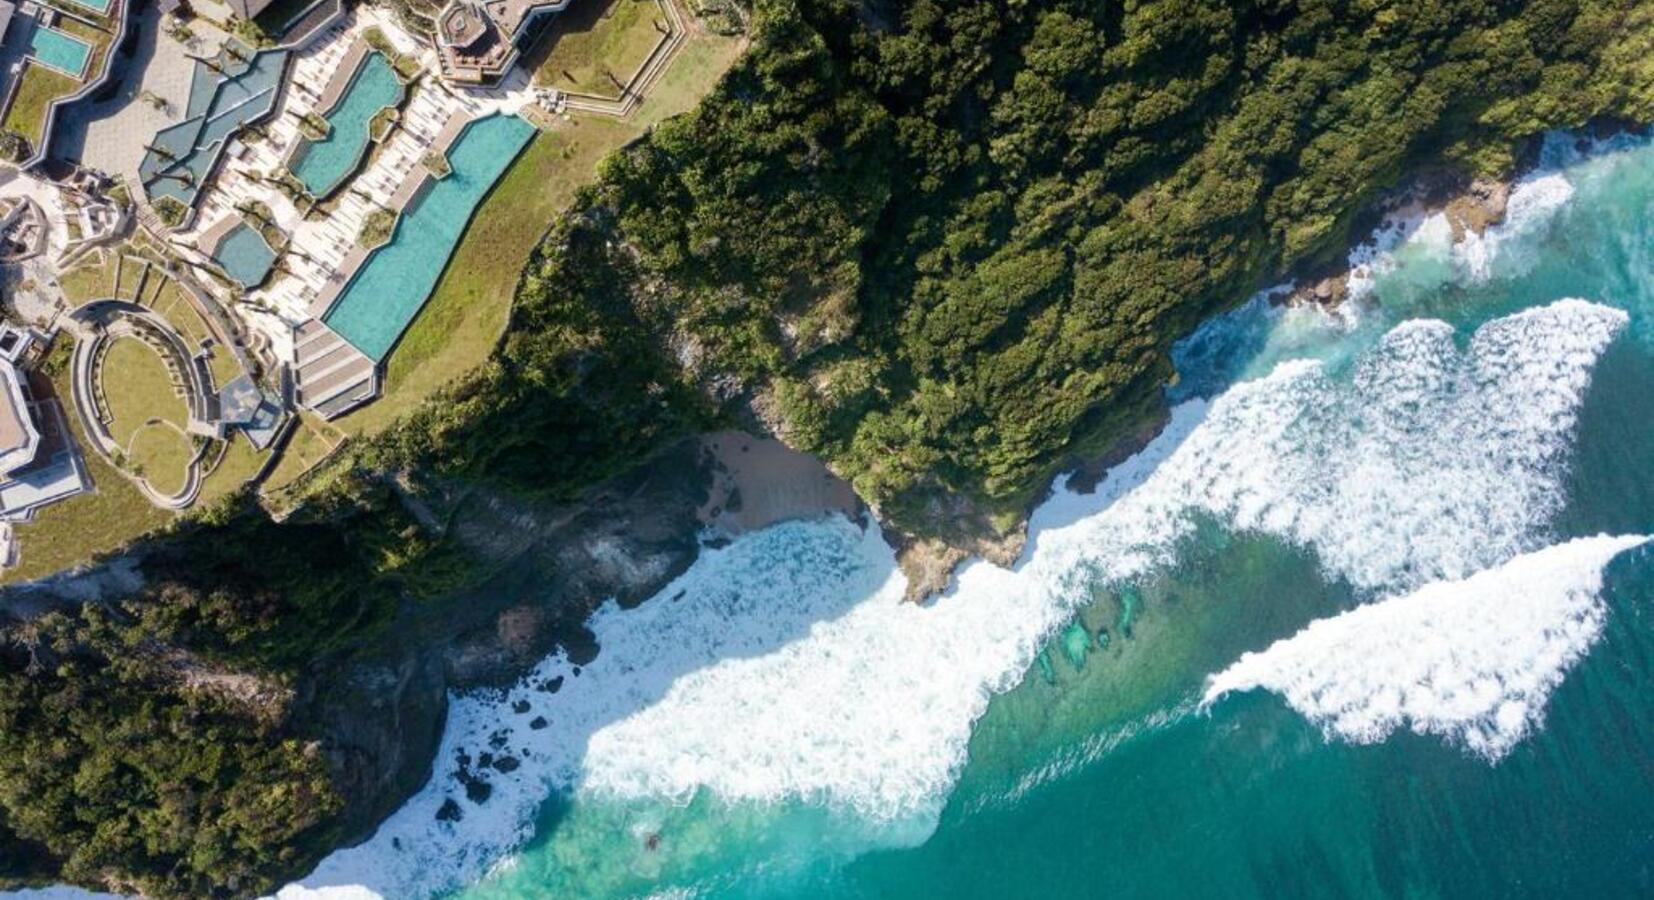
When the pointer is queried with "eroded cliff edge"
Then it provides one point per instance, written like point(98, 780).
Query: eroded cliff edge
point(944, 249)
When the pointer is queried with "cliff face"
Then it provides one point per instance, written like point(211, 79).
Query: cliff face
point(309, 661)
point(549, 566)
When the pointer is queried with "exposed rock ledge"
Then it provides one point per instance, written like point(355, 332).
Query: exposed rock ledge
point(1471, 208)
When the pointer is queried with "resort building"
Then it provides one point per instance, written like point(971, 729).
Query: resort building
point(51, 56)
point(19, 438)
point(247, 9)
point(478, 40)
point(38, 461)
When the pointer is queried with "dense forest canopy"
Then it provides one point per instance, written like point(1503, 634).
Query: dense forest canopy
point(945, 246)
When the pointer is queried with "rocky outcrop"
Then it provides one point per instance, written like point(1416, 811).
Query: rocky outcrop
point(1481, 205)
point(382, 721)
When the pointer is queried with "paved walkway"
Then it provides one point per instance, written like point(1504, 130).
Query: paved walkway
point(110, 135)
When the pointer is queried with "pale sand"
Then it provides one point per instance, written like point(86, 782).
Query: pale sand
point(760, 481)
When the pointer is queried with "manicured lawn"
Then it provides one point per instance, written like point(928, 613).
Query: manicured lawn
point(312, 440)
point(147, 416)
point(241, 461)
point(591, 41)
point(701, 61)
point(160, 455)
point(39, 87)
point(113, 513)
point(171, 304)
point(89, 281)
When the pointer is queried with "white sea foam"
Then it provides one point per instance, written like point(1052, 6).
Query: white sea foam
point(1534, 201)
point(785, 666)
point(1473, 660)
point(1428, 463)
point(1410, 232)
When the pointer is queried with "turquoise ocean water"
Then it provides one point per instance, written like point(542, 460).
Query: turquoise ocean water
point(1434, 501)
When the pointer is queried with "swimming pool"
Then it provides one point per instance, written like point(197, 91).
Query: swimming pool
point(391, 286)
point(323, 165)
point(245, 255)
point(59, 50)
point(101, 6)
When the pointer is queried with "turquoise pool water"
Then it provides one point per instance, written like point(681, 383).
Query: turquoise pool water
point(388, 290)
point(244, 254)
point(101, 6)
point(323, 165)
point(60, 51)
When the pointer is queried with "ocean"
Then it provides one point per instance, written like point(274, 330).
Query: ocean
point(1373, 617)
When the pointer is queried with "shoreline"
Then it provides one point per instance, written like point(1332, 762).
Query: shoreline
point(760, 481)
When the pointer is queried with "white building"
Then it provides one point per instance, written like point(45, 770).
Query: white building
point(39, 464)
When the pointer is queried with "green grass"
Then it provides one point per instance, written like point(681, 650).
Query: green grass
point(701, 61)
point(160, 454)
point(313, 439)
point(110, 515)
point(592, 41)
point(147, 416)
point(90, 281)
point(39, 87)
point(241, 461)
point(171, 305)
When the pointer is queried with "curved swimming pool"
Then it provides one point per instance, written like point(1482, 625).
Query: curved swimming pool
point(323, 165)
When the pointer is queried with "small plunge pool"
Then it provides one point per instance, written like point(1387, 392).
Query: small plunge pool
point(321, 166)
point(245, 255)
point(59, 50)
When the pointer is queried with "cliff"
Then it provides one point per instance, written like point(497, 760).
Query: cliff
point(943, 248)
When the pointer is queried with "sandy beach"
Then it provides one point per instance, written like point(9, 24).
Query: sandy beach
point(761, 481)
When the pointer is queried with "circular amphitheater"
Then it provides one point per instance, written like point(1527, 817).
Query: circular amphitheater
point(143, 421)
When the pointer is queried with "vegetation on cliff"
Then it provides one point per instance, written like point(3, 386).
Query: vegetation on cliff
point(947, 247)
point(170, 743)
point(944, 246)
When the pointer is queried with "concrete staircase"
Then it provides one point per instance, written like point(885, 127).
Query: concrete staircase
point(333, 377)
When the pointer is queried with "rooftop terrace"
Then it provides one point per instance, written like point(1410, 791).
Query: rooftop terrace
point(52, 57)
point(478, 40)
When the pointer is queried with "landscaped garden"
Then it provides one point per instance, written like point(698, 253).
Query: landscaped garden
point(120, 274)
point(595, 48)
point(147, 414)
point(38, 87)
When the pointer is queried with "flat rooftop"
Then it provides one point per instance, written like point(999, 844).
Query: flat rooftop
point(19, 439)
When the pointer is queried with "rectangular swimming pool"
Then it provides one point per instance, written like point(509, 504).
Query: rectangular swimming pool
point(323, 165)
point(245, 255)
point(101, 6)
point(395, 281)
point(59, 50)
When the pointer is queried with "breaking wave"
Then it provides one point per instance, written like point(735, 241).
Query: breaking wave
point(1428, 462)
point(786, 666)
point(1472, 660)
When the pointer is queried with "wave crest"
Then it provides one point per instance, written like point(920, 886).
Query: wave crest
point(1473, 660)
